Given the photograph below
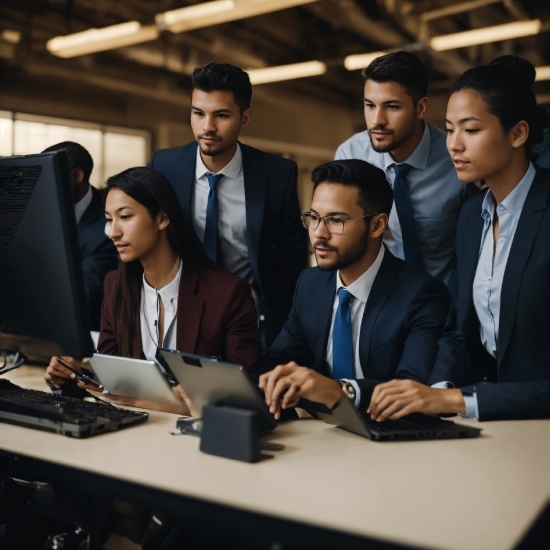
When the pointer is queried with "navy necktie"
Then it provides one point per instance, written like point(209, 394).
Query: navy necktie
point(342, 339)
point(211, 240)
point(403, 207)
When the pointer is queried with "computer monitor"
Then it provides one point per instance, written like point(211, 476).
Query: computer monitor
point(41, 285)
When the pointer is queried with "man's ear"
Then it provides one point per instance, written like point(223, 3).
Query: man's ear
point(245, 118)
point(378, 225)
point(422, 107)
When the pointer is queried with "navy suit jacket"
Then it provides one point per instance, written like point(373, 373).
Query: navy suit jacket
point(403, 320)
point(98, 254)
point(522, 365)
point(277, 242)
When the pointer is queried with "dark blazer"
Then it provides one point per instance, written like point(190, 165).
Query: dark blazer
point(98, 253)
point(216, 317)
point(522, 366)
point(403, 320)
point(277, 242)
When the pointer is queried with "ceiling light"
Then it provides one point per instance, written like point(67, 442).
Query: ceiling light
point(360, 61)
point(11, 36)
point(543, 73)
point(97, 40)
point(196, 12)
point(216, 12)
point(287, 72)
point(485, 35)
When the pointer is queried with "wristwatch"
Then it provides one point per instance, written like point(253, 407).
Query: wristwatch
point(348, 389)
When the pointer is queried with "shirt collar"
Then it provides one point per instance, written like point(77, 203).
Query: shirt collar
point(361, 287)
point(231, 170)
point(82, 204)
point(513, 203)
point(419, 157)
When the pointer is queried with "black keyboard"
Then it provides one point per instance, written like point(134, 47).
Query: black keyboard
point(412, 422)
point(66, 415)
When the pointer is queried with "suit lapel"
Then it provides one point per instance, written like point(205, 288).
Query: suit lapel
point(321, 317)
point(190, 308)
point(93, 212)
point(137, 345)
point(467, 266)
point(184, 170)
point(381, 289)
point(532, 213)
point(255, 187)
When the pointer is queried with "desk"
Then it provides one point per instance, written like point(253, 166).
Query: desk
point(456, 494)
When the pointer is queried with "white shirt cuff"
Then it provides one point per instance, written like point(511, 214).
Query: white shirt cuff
point(443, 385)
point(357, 391)
point(471, 406)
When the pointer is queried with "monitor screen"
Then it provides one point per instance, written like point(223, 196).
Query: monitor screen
point(41, 286)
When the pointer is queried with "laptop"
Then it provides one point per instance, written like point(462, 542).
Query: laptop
point(206, 380)
point(412, 427)
point(137, 378)
point(63, 415)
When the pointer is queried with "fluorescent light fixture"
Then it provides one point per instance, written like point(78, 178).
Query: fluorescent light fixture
point(543, 73)
point(216, 12)
point(361, 60)
point(287, 72)
point(97, 40)
point(13, 37)
point(197, 12)
point(485, 35)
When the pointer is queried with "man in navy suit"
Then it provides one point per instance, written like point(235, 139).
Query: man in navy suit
point(361, 316)
point(242, 202)
point(99, 256)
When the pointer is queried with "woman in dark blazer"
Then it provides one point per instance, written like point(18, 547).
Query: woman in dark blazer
point(166, 292)
point(497, 349)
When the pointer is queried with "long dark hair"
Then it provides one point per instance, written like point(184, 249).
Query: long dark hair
point(505, 86)
point(153, 191)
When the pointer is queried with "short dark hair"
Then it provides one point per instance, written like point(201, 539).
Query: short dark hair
point(375, 192)
point(402, 67)
point(77, 156)
point(226, 78)
point(505, 86)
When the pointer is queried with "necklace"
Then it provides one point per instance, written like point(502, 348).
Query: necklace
point(164, 280)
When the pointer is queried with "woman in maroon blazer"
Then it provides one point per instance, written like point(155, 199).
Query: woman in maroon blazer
point(166, 292)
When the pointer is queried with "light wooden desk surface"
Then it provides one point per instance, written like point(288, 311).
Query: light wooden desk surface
point(455, 494)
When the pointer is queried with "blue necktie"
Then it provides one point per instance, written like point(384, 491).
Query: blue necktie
point(342, 339)
point(211, 242)
point(403, 207)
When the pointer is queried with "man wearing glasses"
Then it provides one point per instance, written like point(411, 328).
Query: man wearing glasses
point(361, 316)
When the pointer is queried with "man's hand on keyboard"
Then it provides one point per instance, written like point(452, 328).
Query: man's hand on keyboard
point(397, 398)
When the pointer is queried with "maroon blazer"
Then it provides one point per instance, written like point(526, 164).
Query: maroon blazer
point(216, 317)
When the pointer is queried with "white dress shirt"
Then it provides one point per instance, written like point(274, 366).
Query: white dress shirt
point(82, 204)
point(148, 315)
point(360, 290)
point(231, 213)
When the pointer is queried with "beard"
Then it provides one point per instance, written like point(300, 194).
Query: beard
point(343, 258)
point(394, 142)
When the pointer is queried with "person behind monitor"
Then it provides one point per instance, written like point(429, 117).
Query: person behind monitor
point(361, 316)
point(98, 254)
point(166, 292)
point(497, 351)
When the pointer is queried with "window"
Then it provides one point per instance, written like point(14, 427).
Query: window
point(112, 149)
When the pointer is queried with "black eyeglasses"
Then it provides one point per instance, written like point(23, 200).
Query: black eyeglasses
point(334, 224)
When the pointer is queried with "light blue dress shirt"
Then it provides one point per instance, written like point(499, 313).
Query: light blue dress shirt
point(436, 198)
point(491, 266)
